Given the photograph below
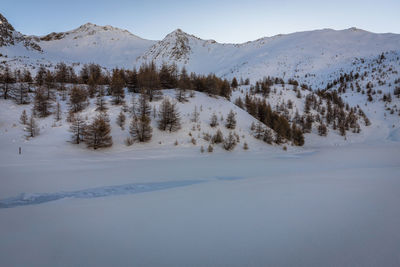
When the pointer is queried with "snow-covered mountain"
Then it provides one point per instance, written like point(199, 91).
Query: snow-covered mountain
point(310, 56)
point(317, 53)
point(106, 45)
point(10, 37)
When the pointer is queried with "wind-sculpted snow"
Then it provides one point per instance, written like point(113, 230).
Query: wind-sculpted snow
point(39, 198)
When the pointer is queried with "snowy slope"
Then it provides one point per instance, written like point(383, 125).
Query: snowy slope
point(172, 207)
point(317, 52)
point(105, 45)
point(309, 56)
point(57, 136)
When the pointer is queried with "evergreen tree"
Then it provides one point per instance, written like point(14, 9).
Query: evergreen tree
point(239, 102)
point(49, 82)
point(97, 134)
point(143, 109)
point(231, 120)
point(183, 85)
point(121, 120)
point(210, 148)
point(322, 130)
point(132, 82)
point(92, 87)
point(77, 99)
point(100, 101)
point(27, 76)
point(214, 120)
point(140, 128)
point(77, 128)
point(21, 94)
point(117, 87)
point(195, 115)
point(225, 89)
point(42, 104)
point(218, 137)
point(61, 75)
point(32, 128)
point(84, 74)
point(58, 112)
point(259, 131)
point(234, 83)
point(23, 119)
point(168, 76)
point(229, 142)
point(245, 146)
point(168, 116)
point(40, 76)
point(6, 79)
point(268, 136)
point(149, 81)
point(297, 136)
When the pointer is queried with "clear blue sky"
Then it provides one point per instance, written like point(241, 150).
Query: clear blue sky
point(221, 20)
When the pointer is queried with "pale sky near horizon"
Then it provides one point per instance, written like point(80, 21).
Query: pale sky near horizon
point(224, 21)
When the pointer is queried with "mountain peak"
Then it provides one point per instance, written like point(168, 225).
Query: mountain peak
point(179, 34)
point(6, 32)
point(9, 36)
point(178, 30)
point(86, 30)
point(4, 23)
point(92, 28)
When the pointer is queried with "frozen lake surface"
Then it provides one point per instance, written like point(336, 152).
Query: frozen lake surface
point(334, 206)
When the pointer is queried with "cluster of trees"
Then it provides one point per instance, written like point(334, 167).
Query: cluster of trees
point(30, 125)
point(364, 78)
point(259, 109)
point(168, 119)
point(148, 78)
point(95, 134)
point(325, 107)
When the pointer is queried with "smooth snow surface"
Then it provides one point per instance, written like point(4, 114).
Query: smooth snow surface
point(335, 206)
point(333, 202)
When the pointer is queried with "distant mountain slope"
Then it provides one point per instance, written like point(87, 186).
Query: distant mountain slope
point(293, 55)
point(106, 45)
point(310, 56)
point(10, 37)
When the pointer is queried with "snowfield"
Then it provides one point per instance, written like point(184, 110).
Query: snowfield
point(333, 202)
point(328, 207)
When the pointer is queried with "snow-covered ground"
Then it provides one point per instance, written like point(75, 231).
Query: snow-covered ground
point(335, 206)
point(327, 204)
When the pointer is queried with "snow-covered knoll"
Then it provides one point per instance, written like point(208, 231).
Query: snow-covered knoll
point(56, 135)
